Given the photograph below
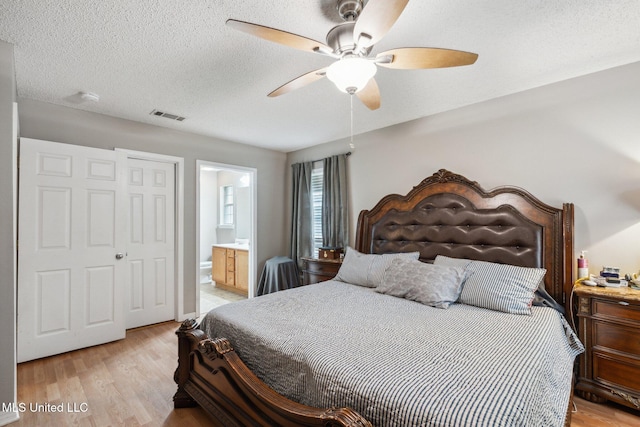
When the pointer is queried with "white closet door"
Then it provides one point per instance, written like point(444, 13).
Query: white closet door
point(150, 242)
point(71, 264)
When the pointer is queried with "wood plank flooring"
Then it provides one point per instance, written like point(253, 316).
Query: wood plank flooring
point(123, 383)
point(589, 414)
point(130, 383)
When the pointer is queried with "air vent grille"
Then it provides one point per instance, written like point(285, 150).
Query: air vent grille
point(167, 115)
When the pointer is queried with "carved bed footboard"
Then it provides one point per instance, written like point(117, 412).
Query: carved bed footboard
point(211, 374)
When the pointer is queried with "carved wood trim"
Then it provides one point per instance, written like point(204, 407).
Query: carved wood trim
point(634, 401)
point(557, 251)
point(584, 307)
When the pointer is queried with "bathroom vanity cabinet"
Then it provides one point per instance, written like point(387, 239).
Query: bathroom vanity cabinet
point(230, 267)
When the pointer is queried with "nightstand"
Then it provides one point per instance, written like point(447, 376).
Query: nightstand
point(316, 270)
point(609, 328)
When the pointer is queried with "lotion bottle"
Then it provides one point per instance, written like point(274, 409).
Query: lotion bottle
point(583, 266)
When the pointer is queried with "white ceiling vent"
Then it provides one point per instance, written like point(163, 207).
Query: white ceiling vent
point(167, 115)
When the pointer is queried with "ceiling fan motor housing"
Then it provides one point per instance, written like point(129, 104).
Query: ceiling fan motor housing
point(340, 39)
point(349, 10)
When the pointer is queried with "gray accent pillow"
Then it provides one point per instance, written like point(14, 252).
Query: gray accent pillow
point(367, 269)
point(435, 285)
point(500, 287)
point(452, 262)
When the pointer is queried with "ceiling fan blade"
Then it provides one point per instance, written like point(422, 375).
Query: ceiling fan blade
point(299, 82)
point(411, 58)
point(376, 19)
point(370, 95)
point(279, 36)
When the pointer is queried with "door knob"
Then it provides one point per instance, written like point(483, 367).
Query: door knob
point(119, 255)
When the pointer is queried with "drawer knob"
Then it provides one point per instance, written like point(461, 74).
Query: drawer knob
point(623, 303)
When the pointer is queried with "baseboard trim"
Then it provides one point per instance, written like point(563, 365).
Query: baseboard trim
point(8, 417)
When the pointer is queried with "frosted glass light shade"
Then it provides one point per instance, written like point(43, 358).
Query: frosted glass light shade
point(351, 74)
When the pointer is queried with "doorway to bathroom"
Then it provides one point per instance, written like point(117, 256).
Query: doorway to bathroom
point(226, 234)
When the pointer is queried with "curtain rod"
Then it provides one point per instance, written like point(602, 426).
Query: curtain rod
point(319, 160)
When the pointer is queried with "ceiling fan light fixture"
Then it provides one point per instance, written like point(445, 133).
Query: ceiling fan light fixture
point(351, 74)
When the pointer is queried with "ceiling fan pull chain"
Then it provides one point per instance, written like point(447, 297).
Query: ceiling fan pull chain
point(351, 145)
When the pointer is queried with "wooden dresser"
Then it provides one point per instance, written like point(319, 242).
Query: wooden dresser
point(316, 270)
point(230, 268)
point(609, 328)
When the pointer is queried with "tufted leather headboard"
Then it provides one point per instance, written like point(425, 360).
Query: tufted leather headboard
point(447, 214)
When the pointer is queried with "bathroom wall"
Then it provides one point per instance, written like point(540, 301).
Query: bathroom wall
point(242, 211)
point(208, 212)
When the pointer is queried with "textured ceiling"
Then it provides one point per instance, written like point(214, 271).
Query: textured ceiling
point(179, 57)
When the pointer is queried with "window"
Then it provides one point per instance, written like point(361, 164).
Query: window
point(226, 205)
point(316, 206)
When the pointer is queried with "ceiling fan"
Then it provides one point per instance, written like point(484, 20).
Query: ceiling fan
point(351, 43)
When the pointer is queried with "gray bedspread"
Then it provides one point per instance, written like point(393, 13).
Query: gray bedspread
point(401, 363)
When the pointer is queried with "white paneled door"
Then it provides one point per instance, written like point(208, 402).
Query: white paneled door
point(96, 246)
point(150, 242)
point(71, 263)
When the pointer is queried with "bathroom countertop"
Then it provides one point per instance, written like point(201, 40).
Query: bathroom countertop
point(236, 246)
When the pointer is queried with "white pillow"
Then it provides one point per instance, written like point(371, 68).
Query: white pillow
point(435, 285)
point(367, 269)
point(499, 287)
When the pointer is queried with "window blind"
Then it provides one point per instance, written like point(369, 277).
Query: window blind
point(316, 205)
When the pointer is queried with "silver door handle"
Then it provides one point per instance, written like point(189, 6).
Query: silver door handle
point(119, 255)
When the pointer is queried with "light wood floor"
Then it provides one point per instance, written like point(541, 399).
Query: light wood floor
point(123, 383)
point(130, 383)
point(211, 297)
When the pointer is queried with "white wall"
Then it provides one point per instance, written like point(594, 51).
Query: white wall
point(55, 123)
point(575, 141)
point(208, 212)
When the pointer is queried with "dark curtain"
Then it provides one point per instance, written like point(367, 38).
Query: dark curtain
point(301, 213)
point(335, 213)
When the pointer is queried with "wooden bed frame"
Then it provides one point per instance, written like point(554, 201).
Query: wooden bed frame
point(445, 214)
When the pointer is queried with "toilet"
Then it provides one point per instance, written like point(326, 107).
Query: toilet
point(205, 272)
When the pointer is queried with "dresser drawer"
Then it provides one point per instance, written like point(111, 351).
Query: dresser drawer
point(616, 310)
point(616, 337)
point(616, 372)
point(319, 270)
point(322, 267)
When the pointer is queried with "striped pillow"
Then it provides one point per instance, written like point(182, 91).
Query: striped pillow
point(499, 287)
point(367, 269)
